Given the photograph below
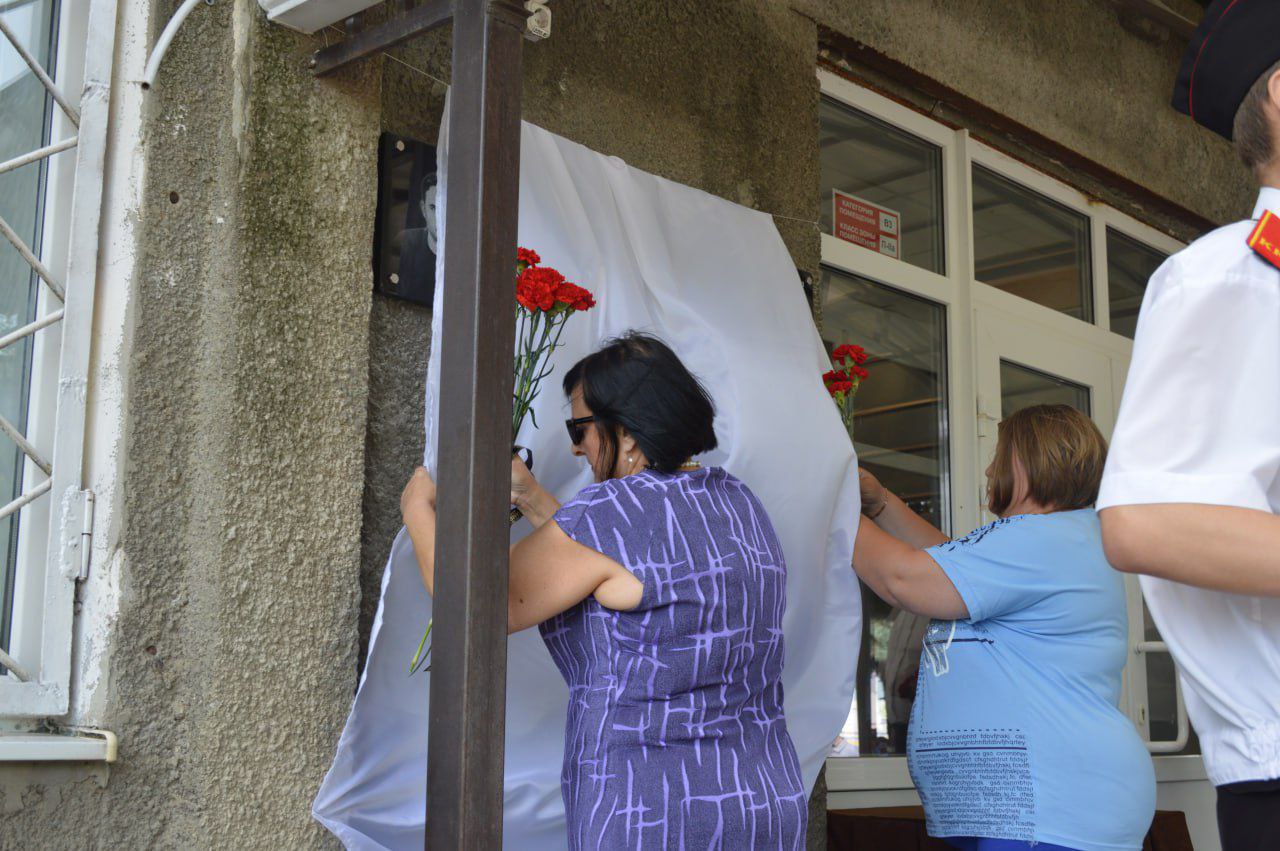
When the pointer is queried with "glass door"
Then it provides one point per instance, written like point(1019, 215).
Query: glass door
point(901, 437)
point(1021, 362)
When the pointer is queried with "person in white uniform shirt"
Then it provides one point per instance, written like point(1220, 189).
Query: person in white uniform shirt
point(1191, 494)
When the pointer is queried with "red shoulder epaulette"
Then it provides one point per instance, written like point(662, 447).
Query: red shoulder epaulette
point(1265, 238)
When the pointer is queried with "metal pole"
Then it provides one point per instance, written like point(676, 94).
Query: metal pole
point(468, 675)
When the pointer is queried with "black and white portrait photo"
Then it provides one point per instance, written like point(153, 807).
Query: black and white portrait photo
point(408, 222)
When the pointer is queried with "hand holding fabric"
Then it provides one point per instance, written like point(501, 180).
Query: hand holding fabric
point(528, 495)
point(523, 482)
point(873, 492)
point(419, 493)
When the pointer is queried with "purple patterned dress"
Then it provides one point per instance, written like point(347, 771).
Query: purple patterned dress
point(675, 736)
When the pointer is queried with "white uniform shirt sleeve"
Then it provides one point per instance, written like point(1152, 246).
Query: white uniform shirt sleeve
point(1200, 418)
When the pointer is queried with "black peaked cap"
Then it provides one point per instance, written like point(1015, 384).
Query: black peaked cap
point(1235, 43)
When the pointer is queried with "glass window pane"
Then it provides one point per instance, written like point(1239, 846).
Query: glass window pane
point(1130, 265)
point(1162, 695)
point(901, 437)
point(1030, 246)
point(881, 165)
point(1022, 386)
point(26, 108)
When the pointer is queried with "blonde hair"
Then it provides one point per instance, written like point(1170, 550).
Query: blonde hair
point(1061, 451)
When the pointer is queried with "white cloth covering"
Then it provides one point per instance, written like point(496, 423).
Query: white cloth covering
point(715, 281)
point(1200, 423)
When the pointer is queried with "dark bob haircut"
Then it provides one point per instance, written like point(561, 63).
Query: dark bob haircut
point(635, 381)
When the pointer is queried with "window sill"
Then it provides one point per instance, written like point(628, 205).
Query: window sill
point(80, 746)
point(1179, 768)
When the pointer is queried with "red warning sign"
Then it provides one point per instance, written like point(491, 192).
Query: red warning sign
point(866, 224)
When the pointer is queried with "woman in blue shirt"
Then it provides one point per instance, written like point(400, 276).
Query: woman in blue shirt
point(1016, 738)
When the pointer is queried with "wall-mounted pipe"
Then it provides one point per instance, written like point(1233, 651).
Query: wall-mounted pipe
point(166, 38)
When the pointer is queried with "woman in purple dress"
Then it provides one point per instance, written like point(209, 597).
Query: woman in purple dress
point(659, 591)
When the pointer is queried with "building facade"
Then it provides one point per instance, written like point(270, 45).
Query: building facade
point(252, 408)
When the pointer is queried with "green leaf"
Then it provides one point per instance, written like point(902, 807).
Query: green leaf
point(423, 643)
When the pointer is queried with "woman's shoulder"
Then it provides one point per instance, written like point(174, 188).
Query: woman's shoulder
point(607, 491)
point(650, 487)
point(997, 530)
point(1061, 526)
point(598, 506)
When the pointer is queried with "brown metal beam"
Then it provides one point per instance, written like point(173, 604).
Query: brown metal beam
point(357, 45)
point(468, 675)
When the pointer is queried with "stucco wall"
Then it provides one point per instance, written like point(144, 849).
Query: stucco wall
point(233, 655)
point(275, 409)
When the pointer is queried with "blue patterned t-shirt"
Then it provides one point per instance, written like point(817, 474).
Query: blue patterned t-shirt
point(1016, 731)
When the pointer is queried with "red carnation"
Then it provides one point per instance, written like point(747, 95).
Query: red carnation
point(527, 256)
point(837, 381)
point(537, 286)
point(859, 371)
point(849, 352)
point(574, 297)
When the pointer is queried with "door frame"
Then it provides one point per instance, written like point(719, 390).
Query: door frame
point(884, 779)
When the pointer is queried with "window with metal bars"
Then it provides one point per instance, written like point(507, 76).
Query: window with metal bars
point(52, 143)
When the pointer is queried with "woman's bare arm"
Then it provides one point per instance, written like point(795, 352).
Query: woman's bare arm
point(418, 510)
point(901, 522)
point(904, 576)
point(551, 573)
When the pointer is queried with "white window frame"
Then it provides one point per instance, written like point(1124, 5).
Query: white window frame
point(54, 529)
point(885, 780)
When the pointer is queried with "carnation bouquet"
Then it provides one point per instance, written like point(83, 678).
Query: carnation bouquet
point(843, 381)
point(544, 303)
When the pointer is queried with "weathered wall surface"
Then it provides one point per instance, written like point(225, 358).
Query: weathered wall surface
point(1069, 70)
point(233, 661)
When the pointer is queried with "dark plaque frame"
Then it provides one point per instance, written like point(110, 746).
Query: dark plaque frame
point(404, 262)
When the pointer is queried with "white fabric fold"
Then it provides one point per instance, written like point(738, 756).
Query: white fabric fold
point(715, 281)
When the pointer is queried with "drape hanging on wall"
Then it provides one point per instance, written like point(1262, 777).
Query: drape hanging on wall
point(714, 280)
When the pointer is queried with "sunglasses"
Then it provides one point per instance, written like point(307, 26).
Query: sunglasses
point(577, 428)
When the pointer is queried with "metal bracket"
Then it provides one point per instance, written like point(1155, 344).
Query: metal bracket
point(76, 534)
point(361, 42)
point(86, 534)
